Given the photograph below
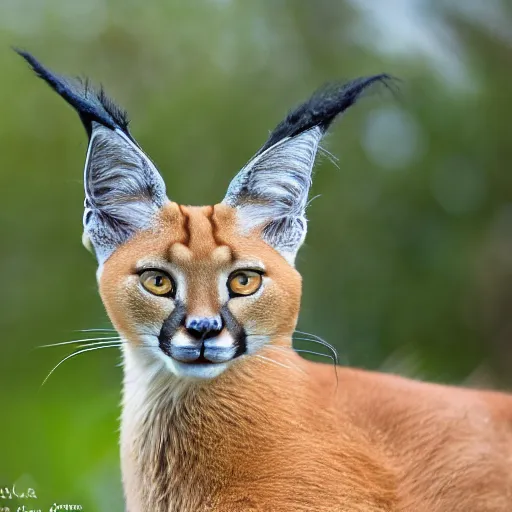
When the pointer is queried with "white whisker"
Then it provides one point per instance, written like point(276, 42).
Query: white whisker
point(69, 357)
point(95, 330)
point(304, 351)
point(316, 337)
point(272, 361)
point(326, 345)
point(275, 347)
point(79, 341)
point(114, 343)
point(320, 341)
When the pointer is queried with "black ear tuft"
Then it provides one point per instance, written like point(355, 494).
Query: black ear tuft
point(271, 191)
point(92, 104)
point(323, 106)
point(123, 189)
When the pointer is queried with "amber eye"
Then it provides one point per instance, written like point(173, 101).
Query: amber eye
point(244, 282)
point(157, 282)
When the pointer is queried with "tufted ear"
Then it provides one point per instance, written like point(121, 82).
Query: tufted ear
point(123, 189)
point(271, 191)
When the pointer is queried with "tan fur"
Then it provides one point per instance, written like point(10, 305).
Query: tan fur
point(281, 433)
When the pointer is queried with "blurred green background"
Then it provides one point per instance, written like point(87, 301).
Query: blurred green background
point(408, 262)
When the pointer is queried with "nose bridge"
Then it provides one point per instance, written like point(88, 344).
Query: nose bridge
point(201, 255)
point(202, 294)
point(203, 319)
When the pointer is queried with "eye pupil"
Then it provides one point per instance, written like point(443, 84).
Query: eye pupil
point(243, 280)
point(159, 281)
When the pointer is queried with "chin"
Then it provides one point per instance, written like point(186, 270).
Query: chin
point(198, 371)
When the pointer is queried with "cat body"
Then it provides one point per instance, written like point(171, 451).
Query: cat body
point(219, 412)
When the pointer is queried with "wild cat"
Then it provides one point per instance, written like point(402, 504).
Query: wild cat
point(219, 412)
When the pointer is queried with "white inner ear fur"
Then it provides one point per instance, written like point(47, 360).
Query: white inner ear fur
point(123, 190)
point(272, 191)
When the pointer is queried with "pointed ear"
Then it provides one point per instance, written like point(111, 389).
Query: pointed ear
point(123, 189)
point(271, 191)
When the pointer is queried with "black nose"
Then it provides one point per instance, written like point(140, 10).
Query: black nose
point(203, 328)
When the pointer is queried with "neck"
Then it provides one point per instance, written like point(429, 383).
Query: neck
point(179, 436)
point(240, 441)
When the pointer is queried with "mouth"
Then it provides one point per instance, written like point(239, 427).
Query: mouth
point(201, 347)
point(203, 358)
point(200, 360)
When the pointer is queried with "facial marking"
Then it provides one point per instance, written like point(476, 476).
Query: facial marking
point(235, 328)
point(196, 332)
point(202, 240)
point(171, 325)
point(222, 255)
point(180, 253)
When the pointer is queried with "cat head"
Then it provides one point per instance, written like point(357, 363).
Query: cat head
point(196, 289)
